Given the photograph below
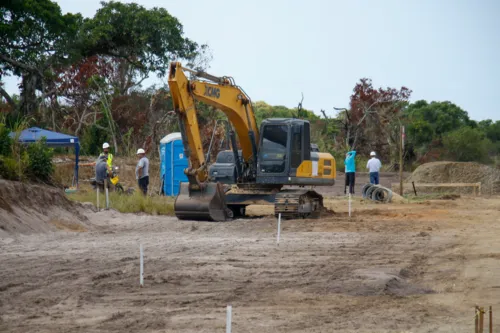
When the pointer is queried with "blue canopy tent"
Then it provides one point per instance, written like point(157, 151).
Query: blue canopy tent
point(54, 139)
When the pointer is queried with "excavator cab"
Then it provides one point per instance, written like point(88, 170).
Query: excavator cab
point(285, 157)
point(284, 145)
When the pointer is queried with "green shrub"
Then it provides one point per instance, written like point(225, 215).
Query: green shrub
point(12, 168)
point(40, 165)
point(18, 161)
point(467, 144)
point(5, 140)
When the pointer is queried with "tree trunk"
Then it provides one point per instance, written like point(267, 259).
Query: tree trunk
point(54, 120)
point(81, 121)
point(29, 102)
point(8, 98)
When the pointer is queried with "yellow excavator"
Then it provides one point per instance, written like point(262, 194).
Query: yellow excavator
point(278, 154)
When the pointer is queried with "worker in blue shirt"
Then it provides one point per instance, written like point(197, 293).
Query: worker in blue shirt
point(350, 171)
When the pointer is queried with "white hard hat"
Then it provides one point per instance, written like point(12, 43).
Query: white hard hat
point(105, 145)
point(373, 153)
point(140, 151)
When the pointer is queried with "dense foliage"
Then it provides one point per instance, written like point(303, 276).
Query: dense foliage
point(467, 144)
point(443, 130)
point(21, 162)
point(40, 165)
point(4, 140)
point(84, 76)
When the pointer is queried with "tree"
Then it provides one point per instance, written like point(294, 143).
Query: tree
point(79, 89)
point(467, 144)
point(148, 39)
point(35, 38)
point(38, 41)
point(373, 119)
point(263, 111)
point(443, 117)
point(419, 132)
point(492, 131)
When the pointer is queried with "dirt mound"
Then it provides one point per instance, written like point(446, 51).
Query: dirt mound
point(396, 198)
point(458, 172)
point(383, 282)
point(26, 208)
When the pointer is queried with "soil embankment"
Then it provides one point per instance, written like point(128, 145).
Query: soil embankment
point(458, 172)
point(27, 208)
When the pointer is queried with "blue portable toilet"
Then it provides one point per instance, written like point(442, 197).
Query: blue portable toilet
point(173, 163)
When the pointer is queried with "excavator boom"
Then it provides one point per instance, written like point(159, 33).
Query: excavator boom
point(200, 199)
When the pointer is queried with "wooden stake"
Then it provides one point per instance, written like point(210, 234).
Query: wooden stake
point(481, 320)
point(491, 320)
point(414, 189)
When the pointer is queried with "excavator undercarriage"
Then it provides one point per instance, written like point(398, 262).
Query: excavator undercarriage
point(217, 202)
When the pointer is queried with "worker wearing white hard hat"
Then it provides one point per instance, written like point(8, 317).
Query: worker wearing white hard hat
point(109, 156)
point(374, 166)
point(142, 171)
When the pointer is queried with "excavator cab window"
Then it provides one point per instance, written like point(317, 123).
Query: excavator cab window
point(273, 152)
point(296, 146)
point(306, 142)
point(300, 145)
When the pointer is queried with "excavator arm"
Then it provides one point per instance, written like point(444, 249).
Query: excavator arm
point(200, 199)
point(224, 95)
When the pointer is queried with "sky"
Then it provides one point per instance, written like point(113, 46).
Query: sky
point(275, 50)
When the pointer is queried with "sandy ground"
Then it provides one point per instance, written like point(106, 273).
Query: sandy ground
point(417, 267)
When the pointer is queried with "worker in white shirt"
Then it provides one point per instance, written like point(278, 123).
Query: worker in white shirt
point(374, 166)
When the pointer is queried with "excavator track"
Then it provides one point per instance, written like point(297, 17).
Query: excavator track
point(295, 204)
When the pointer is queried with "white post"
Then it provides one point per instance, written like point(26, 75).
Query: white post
point(228, 318)
point(349, 204)
point(141, 279)
point(107, 193)
point(97, 196)
point(279, 230)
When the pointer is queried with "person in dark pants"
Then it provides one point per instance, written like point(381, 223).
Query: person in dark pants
point(101, 171)
point(373, 167)
point(142, 171)
point(350, 171)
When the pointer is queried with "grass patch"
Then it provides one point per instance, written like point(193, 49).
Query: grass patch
point(135, 203)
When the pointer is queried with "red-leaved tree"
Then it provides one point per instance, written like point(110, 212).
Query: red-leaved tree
point(372, 122)
point(78, 88)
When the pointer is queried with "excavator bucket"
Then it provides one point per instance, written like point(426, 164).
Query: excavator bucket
point(208, 204)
